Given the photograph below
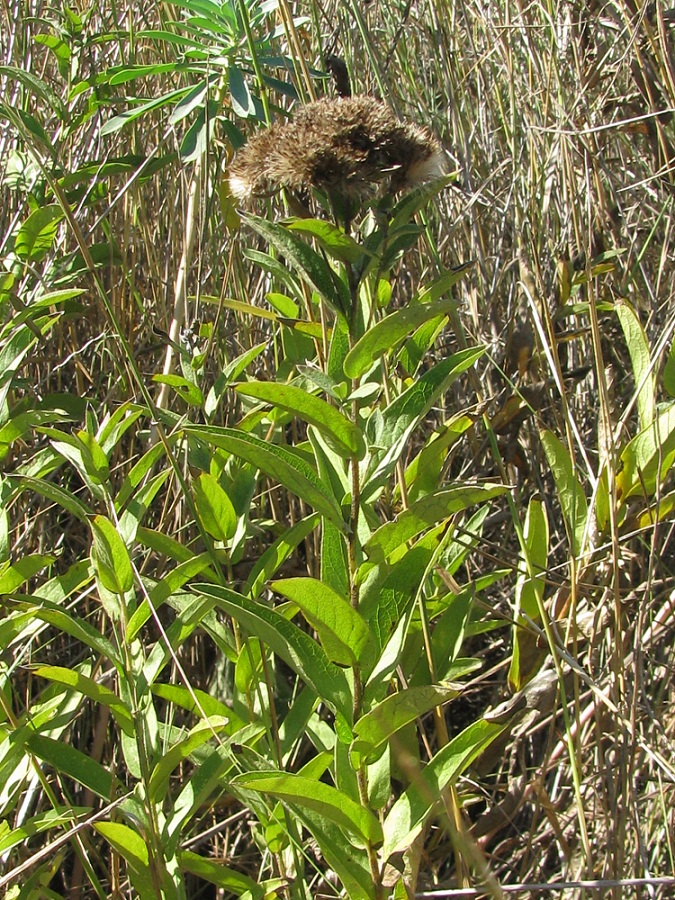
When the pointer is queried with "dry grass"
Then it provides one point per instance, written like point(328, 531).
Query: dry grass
point(558, 119)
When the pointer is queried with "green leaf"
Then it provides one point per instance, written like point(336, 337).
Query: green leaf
point(388, 603)
point(36, 86)
point(387, 333)
point(279, 463)
point(422, 475)
point(426, 512)
point(89, 688)
point(56, 494)
point(36, 235)
point(570, 491)
point(333, 239)
point(331, 803)
point(372, 731)
point(63, 816)
point(643, 373)
point(77, 628)
point(12, 576)
point(343, 435)
point(350, 863)
point(412, 202)
point(77, 765)
point(117, 122)
point(134, 850)
point(289, 642)
point(184, 388)
point(311, 267)
point(345, 636)
point(669, 372)
point(179, 752)
point(242, 101)
point(170, 584)
point(214, 508)
point(216, 873)
point(408, 815)
point(110, 557)
point(404, 413)
point(530, 587)
point(648, 457)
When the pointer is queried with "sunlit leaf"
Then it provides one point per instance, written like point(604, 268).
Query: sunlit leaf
point(409, 813)
point(373, 730)
point(387, 333)
point(344, 634)
point(335, 805)
point(333, 425)
point(570, 490)
point(110, 556)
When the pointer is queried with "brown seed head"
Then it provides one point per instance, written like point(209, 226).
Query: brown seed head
point(349, 146)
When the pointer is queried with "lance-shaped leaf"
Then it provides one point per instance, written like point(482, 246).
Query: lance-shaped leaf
point(342, 434)
point(333, 239)
point(401, 417)
point(425, 513)
point(90, 688)
point(13, 576)
point(372, 731)
point(214, 508)
point(289, 642)
point(315, 795)
point(110, 557)
point(216, 873)
point(280, 464)
point(570, 491)
point(134, 850)
point(648, 457)
point(407, 816)
point(268, 563)
point(72, 762)
point(310, 266)
point(202, 732)
point(387, 333)
point(530, 585)
point(345, 636)
point(643, 372)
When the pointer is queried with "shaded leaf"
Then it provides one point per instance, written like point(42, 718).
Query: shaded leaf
point(279, 463)
point(289, 642)
point(77, 765)
point(89, 688)
point(311, 267)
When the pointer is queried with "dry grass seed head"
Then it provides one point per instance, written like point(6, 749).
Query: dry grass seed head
point(350, 146)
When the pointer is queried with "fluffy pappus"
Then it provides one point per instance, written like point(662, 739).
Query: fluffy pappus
point(350, 146)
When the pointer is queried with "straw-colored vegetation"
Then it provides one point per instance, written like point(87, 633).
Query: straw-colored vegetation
point(336, 547)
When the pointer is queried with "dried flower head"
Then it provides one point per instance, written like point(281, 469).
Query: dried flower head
point(348, 146)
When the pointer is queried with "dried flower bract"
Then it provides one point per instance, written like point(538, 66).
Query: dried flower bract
point(349, 146)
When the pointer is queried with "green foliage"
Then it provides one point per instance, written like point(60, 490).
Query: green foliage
point(266, 602)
